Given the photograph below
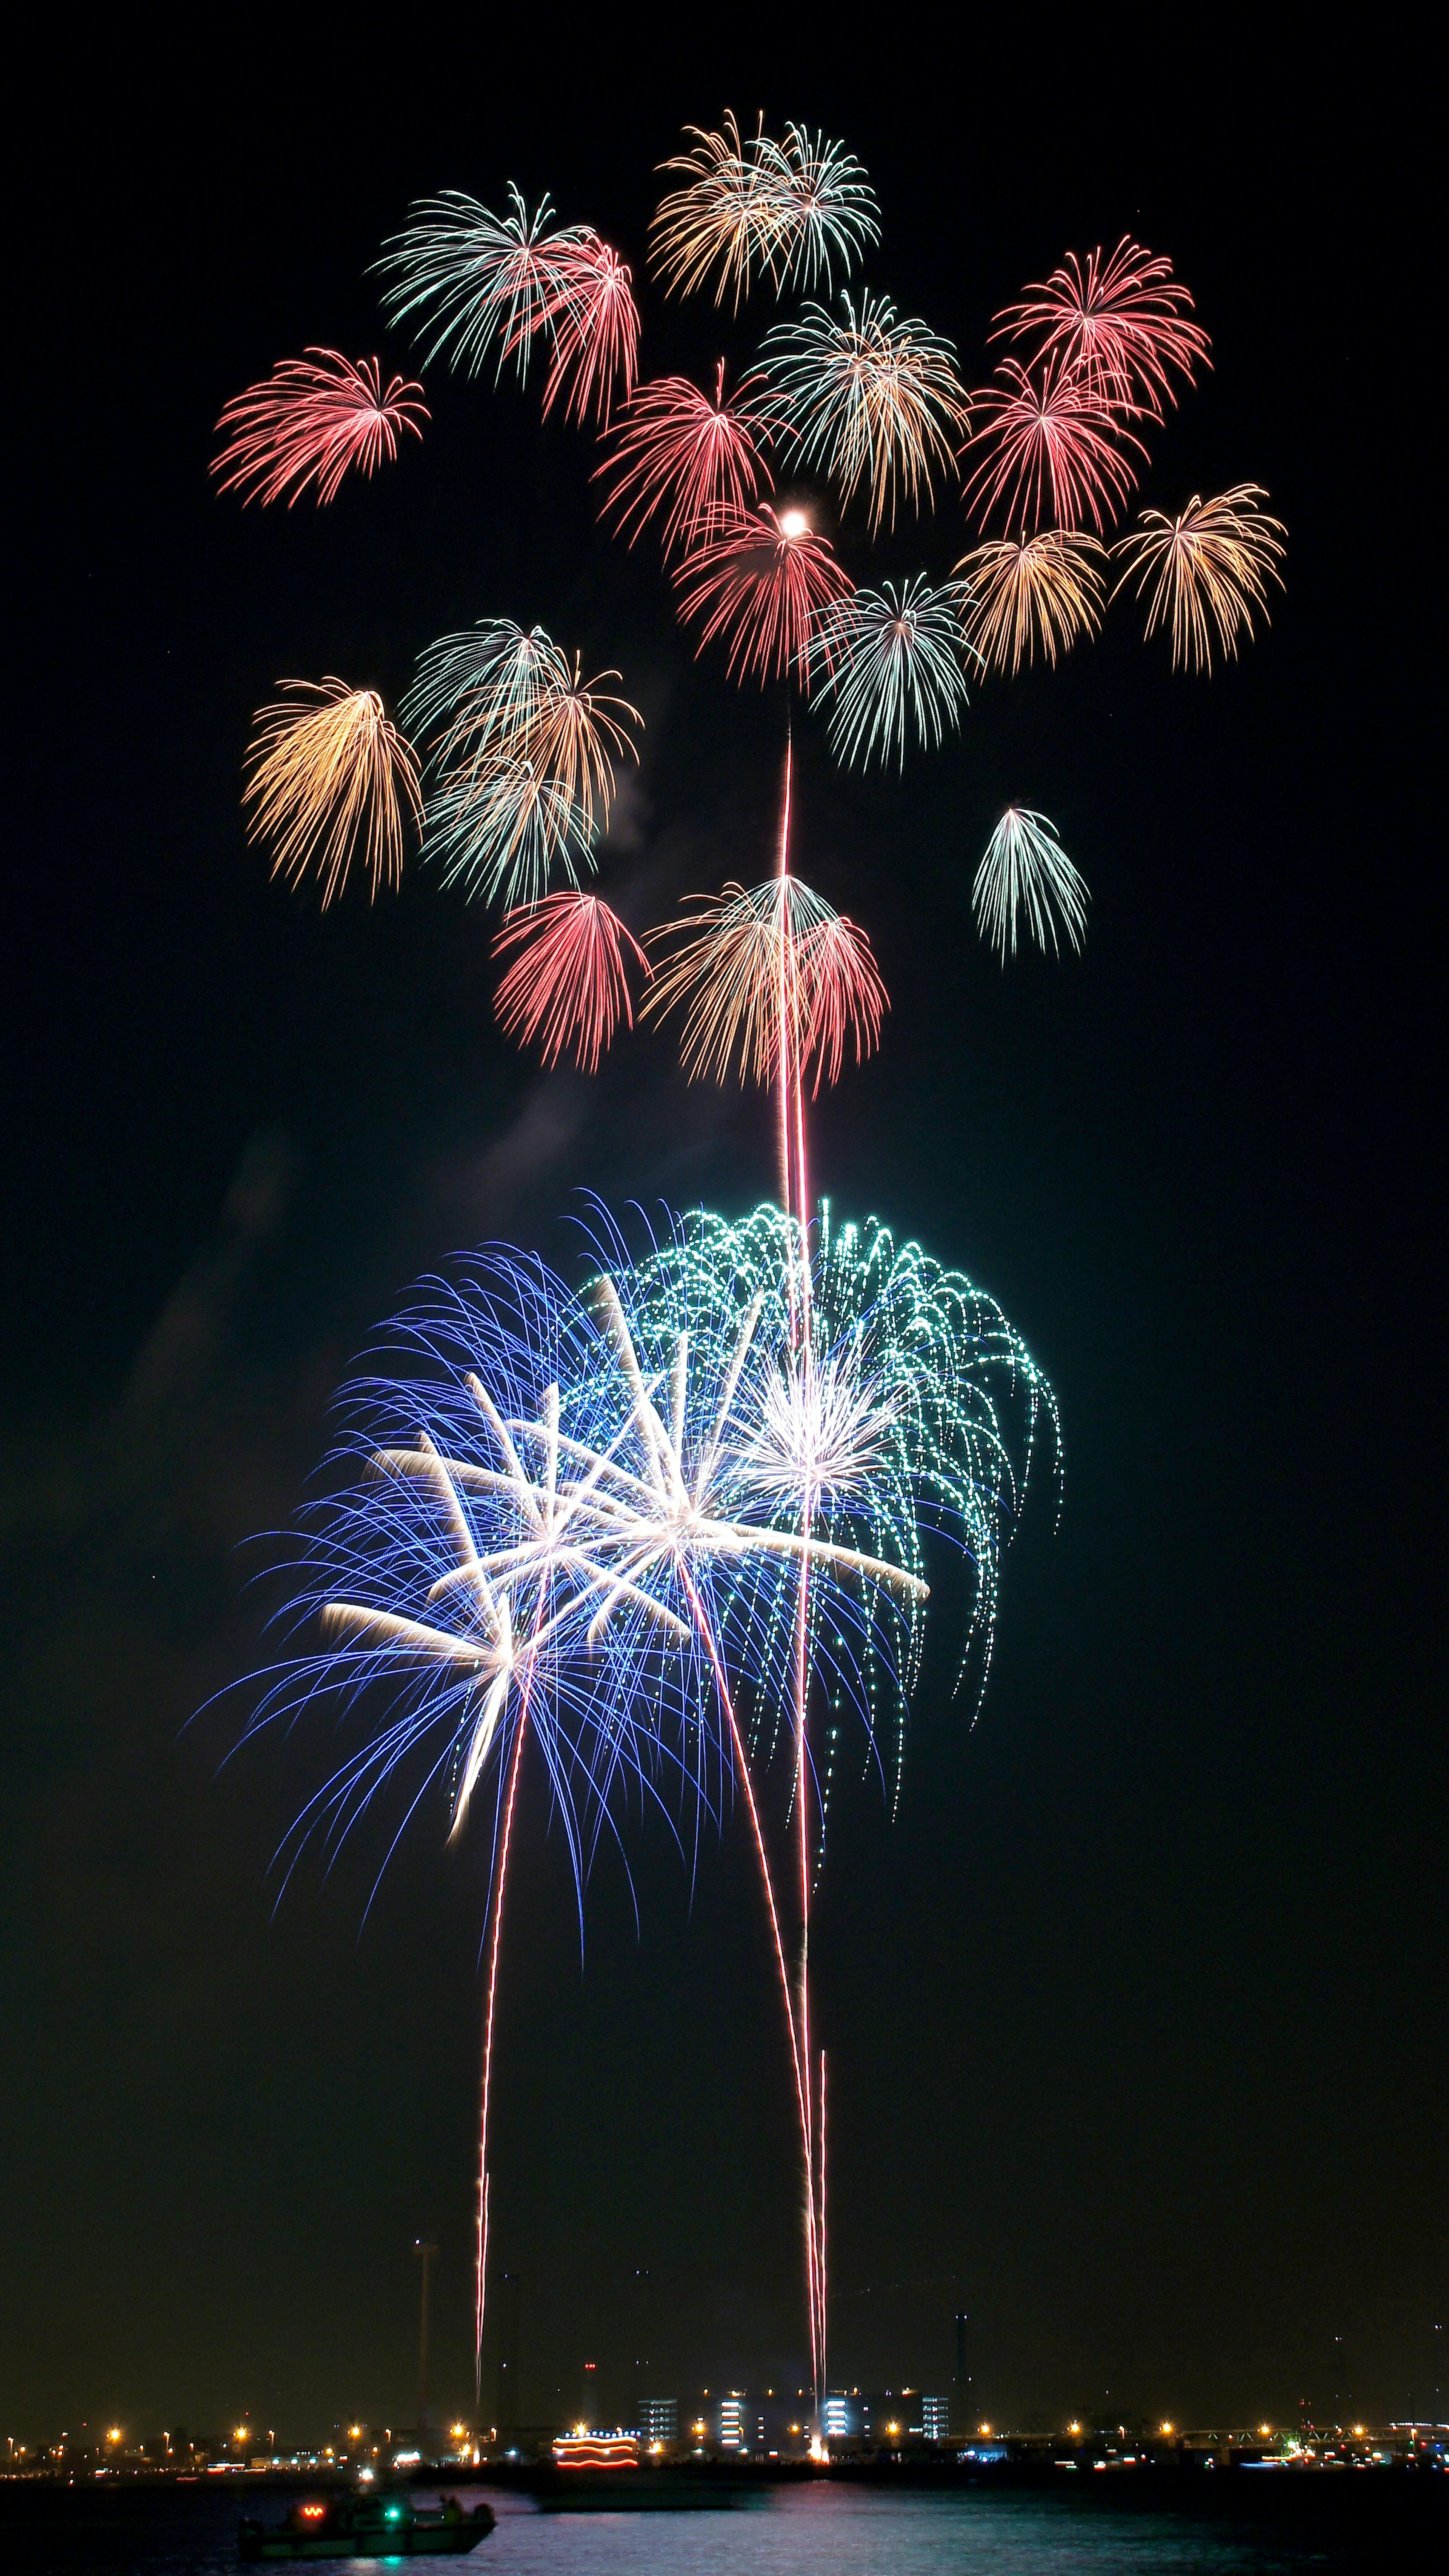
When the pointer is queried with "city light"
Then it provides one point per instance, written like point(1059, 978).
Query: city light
point(1164, 2428)
point(114, 2434)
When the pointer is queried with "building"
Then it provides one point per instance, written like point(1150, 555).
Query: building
point(659, 2419)
point(936, 2418)
point(735, 2427)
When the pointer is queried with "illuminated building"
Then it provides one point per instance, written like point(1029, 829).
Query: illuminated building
point(659, 2419)
point(734, 2422)
point(935, 2418)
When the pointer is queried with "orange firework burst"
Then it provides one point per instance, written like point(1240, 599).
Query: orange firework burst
point(682, 454)
point(752, 964)
point(1207, 570)
point(569, 984)
point(314, 420)
point(762, 582)
point(1044, 590)
point(329, 772)
point(733, 209)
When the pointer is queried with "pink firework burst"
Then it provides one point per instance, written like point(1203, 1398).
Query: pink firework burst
point(842, 996)
point(596, 322)
point(1049, 446)
point(1119, 323)
point(762, 581)
point(568, 984)
point(691, 459)
point(312, 421)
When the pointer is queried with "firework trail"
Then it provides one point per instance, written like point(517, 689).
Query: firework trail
point(1207, 571)
point(693, 460)
point(314, 420)
point(1046, 441)
point(889, 664)
point(763, 583)
point(328, 771)
point(1026, 592)
point(570, 983)
point(874, 400)
point(1120, 324)
point(1026, 870)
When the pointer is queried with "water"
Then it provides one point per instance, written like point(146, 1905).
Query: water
point(1181, 2526)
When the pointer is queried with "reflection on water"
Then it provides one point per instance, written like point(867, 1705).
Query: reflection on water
point(1181, 2527)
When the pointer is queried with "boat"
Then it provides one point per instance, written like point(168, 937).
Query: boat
point(389, 2525)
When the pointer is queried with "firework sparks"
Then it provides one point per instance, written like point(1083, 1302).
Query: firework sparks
point(875, 400)
point(890, 664)
point(1048, 439)
point(1120, 324)
point(732, 211)
point(328, 772)
point(569, 985)
point(1207, 570)
point(314, 420)
point(1026, 870)
point(694, 460)
point(751, 965)
point(470, 278)
point(521, 753)
point(596, 333)
point(1026, 592)
point(762, 582)
point(830, 209)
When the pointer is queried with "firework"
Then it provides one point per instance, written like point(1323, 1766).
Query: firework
point(1207, 570)
point(1025, 869)
point(694, 460)
point(569, 984)
point(753, 965)
point(596, 333)
point(314, 420)
point(735, 210)
point(1048, 439)
point(890, 663)
point(1120, 324)
point(830, 209)
point(875, 400)
point(328, 772)
point(468, 278)
point(521, 753)
point(762, 582)
point(1024, 592)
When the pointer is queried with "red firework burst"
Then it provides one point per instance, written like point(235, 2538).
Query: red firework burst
point(568, 984)
point(762, 582)
point(1049, 437)
point(682, 454)
point(312, 421)
point(597, 325)
point(1119, 323)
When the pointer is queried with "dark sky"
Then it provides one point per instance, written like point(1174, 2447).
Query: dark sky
point(1136, 2014)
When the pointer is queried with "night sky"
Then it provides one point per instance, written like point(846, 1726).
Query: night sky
point(1136, 2012)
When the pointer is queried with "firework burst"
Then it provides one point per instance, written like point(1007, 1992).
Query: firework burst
point(1120, 324)
point(569, 984)
point(468, 279)
point(314, 420)
point(1047, 443)
point(829, 207)
point(1022, 593)
point(732, 212)
point(596, 333)
point(875, 400)
point(327, 773)
point(751, 967)
point(679, 455)
point(762, 582)
point(522, 753)
point(1026, 870)
point(889, 664)
point(1205, 571)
